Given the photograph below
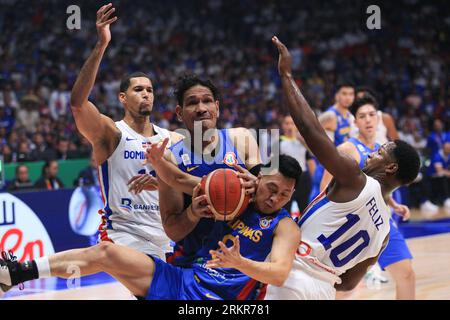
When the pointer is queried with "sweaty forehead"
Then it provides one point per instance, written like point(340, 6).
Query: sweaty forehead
point(197, 91)
point(281, 181)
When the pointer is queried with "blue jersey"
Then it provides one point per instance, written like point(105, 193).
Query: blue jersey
point(342, 132)
point(193, 163)
point(363, 150)
point(438, 157)
point(255, 231)
point(315, 180)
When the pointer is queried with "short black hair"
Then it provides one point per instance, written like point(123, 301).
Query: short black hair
point(125, 82)
point(344, 84)
point(288, 167)
point(408, 161)
point(188, 81)
point(47, 165)
point(359, 102)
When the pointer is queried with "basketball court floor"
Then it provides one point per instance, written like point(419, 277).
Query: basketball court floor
point(429, 244)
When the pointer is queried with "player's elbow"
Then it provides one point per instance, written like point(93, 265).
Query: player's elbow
point(281, 277)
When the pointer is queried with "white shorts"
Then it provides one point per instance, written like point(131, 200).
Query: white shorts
point(136, 242)
point(301, 286)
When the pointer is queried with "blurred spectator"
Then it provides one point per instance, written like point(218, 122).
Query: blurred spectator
point(437, 137)
point(7, 120)
point(292, 144)
point(28, 115)
point(88, 176)
point(21, 180)
point(49, 179)
point(62, 150)
point(24, 152)
point(59, 103)
point(439, 173)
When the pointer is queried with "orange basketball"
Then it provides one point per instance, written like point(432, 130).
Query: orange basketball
point(226, 194)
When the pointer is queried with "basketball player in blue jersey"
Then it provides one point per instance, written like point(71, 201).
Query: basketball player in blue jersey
point(187, 163)
point(119, 148)
point(228, 265)
point(346, 227)
point(396, 258)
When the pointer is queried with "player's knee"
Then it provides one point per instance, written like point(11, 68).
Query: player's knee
point(103, 251)
point(409, 274)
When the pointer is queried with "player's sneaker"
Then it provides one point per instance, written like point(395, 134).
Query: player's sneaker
point(429, 209)
point(374, 277)
point(8, 263)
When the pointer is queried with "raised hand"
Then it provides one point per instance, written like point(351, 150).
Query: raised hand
point(156, 151)
point(250, 181)
point(284, 59)
point(103, 22)
point(142, 182)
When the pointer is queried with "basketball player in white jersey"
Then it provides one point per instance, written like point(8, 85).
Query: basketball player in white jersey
point(129, 219)
point(346, 227)
point(397, 258)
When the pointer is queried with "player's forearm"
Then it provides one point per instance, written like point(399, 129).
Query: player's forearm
point(174, 177)
point(307, 123)
point(273, 273)
point(86, 79)
point(178, 225)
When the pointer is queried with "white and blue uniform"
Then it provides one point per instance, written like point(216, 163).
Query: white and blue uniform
point(128, 219)
point(335, 238)
point(396, 249)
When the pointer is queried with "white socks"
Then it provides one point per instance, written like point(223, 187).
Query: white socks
point(43, 267)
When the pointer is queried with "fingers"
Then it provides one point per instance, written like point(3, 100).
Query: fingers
point(196, 191)
point(164, 144)
point(103, 9)
point(133, 179)
point(239, 168)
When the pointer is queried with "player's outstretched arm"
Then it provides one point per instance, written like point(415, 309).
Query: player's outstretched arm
point(344, 169)
point(276, 270)
point(100, 130)
point(163, 162)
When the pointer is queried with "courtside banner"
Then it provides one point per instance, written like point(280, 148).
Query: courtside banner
point(34, 224)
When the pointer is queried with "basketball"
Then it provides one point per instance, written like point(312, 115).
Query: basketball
point(226, 194)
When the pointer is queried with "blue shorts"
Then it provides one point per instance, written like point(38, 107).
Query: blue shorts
point(396, 249)
point(175, 283)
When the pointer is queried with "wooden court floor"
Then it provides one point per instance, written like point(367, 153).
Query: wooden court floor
point(431, 264)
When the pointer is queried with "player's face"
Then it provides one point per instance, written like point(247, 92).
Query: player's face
point(345, 96)
point(138, 99)
point(288, 126)
point(273, 192)
point(199, 106)
point(381, 161)
point(367, 120)
point(53, 169)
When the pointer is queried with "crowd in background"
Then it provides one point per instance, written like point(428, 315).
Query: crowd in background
point(406, 63)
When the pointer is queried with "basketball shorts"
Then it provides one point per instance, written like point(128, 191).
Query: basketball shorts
point(137, 243)
point(301, 286)
point(175, 283)
point(396, 249)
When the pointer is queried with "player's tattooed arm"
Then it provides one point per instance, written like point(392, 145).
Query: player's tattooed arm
point(98, 129)
point(342, 167)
